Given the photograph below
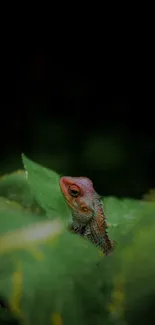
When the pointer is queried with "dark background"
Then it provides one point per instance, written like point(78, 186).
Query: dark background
point(68, 117)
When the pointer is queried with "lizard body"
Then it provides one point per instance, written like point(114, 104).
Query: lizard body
point(88, 217)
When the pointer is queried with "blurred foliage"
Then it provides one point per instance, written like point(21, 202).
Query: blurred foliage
point(51, 276)
point(150, 196)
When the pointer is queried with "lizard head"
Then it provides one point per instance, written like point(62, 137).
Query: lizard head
point(79, 194)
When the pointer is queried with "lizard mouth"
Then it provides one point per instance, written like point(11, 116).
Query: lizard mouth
point(69, 203)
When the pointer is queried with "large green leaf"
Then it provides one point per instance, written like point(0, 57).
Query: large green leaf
point(123, 215)
point(13, 216)
point(132, 270)
point(121, 210)
point(14, 187)
point(16, 235)
point(44, 184)
point(49, 275)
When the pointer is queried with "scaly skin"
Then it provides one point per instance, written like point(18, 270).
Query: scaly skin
point(88, 215)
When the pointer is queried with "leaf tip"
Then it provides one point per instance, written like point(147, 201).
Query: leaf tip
point(22, 155)
point(23, 160)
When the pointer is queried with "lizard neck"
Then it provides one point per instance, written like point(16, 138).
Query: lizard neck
point(83, 219)
point(79, 219)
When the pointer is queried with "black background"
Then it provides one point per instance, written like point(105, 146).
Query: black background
point(68, 117)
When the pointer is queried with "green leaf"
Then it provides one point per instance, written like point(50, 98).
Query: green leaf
point(13, 216)
point(134, 267)
point(14, 187)
point(120, 210)
point(52, 278)
point(122, 214)
point(20, 230)
point(44, 184)
point(131, 270)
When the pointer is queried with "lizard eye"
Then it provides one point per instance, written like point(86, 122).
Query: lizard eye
point(74, 191)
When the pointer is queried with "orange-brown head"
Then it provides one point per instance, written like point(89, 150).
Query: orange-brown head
point(85, 204)
point(79, 194)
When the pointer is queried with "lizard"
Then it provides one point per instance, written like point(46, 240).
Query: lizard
point(88, 217)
